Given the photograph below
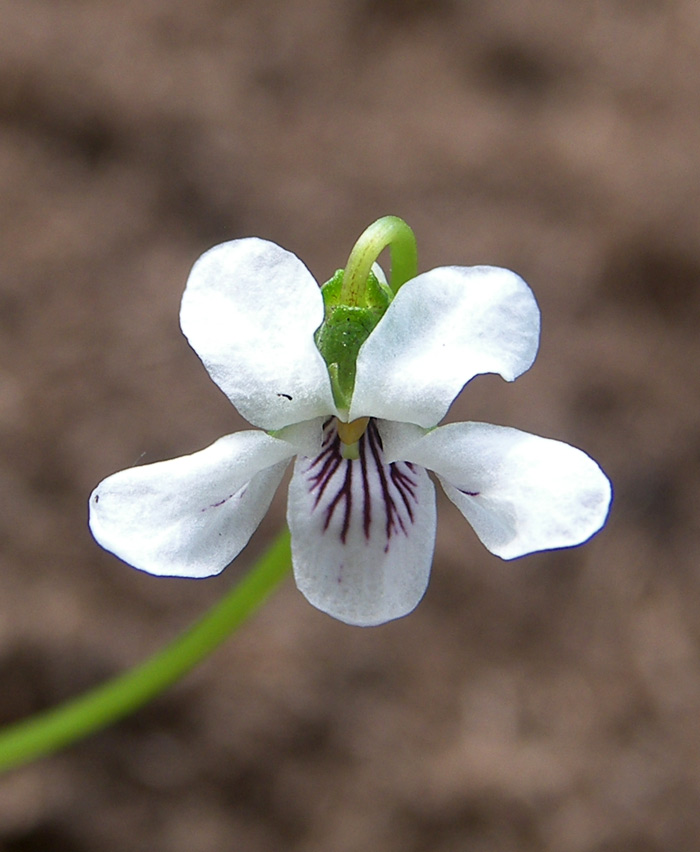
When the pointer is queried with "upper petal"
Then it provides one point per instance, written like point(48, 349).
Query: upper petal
point(443, 328)
point(190, 516)
point(250, 310)
point(520, 492)
point(363, 532)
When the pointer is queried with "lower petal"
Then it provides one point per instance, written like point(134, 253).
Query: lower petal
point(520, 492)
point(363, 531)
point(190, 516)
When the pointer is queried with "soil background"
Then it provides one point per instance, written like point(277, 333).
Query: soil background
point(550, 703)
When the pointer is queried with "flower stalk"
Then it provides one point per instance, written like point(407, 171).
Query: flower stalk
point(49, 731)
point(387, 232)
point(355, 300)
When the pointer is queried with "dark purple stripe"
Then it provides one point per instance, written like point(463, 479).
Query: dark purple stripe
point(396, 484)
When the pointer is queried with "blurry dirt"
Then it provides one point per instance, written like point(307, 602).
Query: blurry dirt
point(550, 703)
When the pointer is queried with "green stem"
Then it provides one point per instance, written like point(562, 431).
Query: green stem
point(51, 730)
point(387, 231)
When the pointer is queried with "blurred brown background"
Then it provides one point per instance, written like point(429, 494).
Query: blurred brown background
point(550, 703)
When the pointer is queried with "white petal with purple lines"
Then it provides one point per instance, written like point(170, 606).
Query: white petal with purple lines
point(520, 492)
point(363, 531)
point(190, 516)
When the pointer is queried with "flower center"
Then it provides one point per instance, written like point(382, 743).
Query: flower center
point(365, 493)
point(350, 434)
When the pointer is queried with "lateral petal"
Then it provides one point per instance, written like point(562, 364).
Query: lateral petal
point(443, 328)
point(363, 531)
point(250, 310)
point(190, 516)
point(520, 492)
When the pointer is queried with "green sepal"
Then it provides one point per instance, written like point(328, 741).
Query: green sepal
point(345, 328)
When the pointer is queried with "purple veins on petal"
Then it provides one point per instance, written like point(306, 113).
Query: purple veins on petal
point(238, 494)
point(219, 503)
point(336, 482)
point(344, 495)
point(404, 486)
point(325, 465)
point(322, 471)
point(366, 490)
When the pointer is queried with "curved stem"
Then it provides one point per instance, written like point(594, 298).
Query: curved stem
point(48, 731)
point(387, 231)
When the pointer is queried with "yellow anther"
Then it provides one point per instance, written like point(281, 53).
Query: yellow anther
point(350, 433)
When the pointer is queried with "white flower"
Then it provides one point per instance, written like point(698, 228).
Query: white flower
point(363, 530)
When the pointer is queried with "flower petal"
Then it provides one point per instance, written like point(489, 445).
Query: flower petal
point(190, 516)
point(442, 329)
point(520, 492)
point(305, 437)
point(363, 531)
point(250, 311)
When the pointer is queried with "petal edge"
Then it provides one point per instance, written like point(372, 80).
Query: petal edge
point(443, 328)
point(520, 492)
point(250, 310)
point(190, 516)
